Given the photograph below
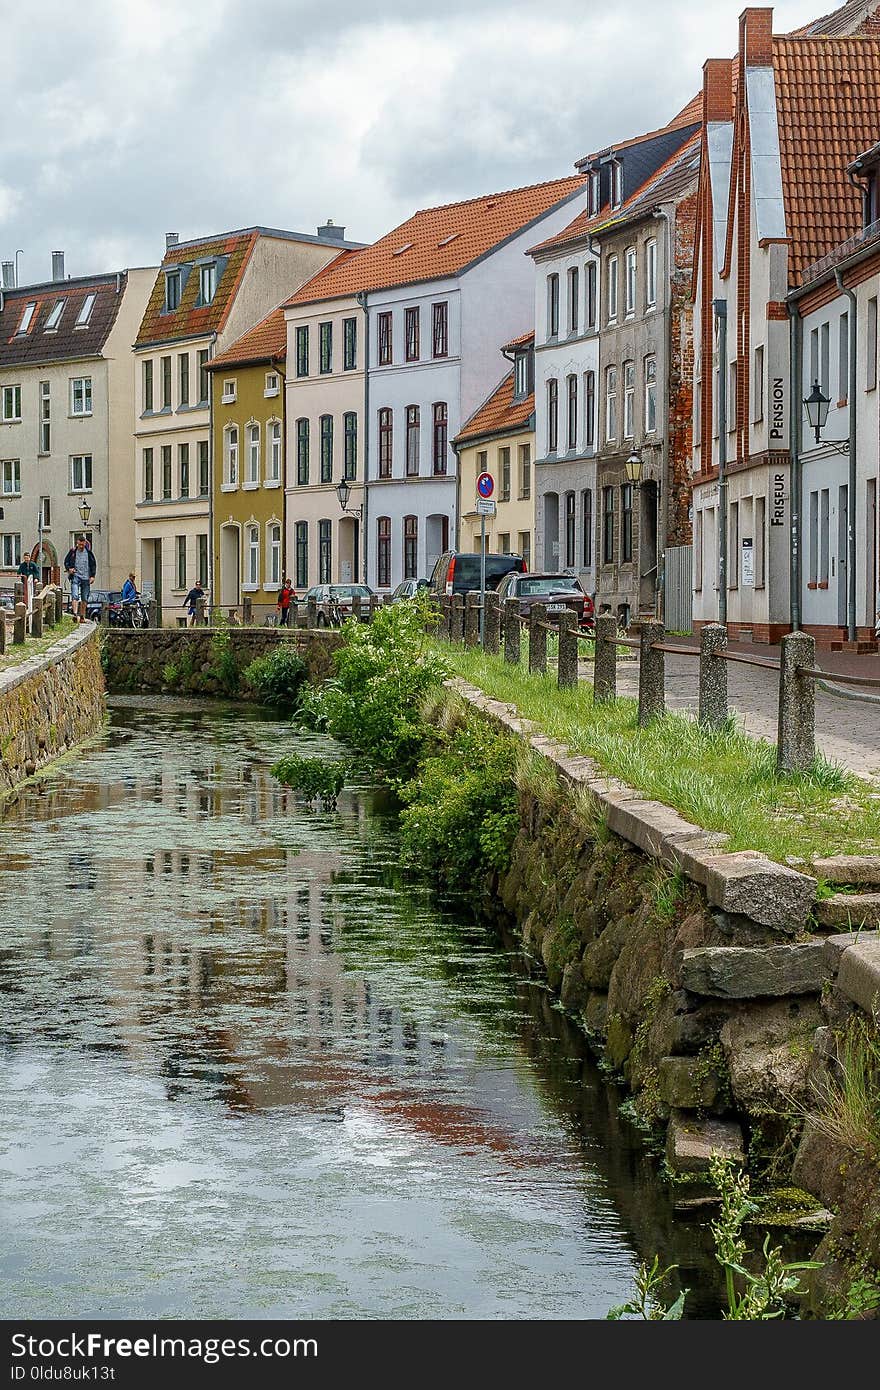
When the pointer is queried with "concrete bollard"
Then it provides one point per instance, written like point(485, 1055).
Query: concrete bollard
point(537, 639)
point(472, 618)
point(567, 660)
point(312, 611)
point(713, 676)
point(105, 614)
point(19, 627)
point(457, 617)
point(652, 673)
point(445, 617)
point(512, 632)
point(356, 603)
point(2, 631)
point(201, 612)
point(796, 740)
point(492, 624)
point(247, 611)
point(37, 619)
point(605, 659)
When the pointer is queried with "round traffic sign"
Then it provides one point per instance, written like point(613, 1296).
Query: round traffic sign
point(485, 484)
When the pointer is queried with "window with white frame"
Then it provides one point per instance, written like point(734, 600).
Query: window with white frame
point(273, 451)
point(271, 388)
point(573, 295)
point(45, 417)
point(650, 395)
point(27, 317)
point(629, 302)
point(274, 576)
point(183, 469)
point(207, 282)
point(85, 312)
point(228, 396)
point(252, 550)
point(11, 550)
point(612, 288)
point(81, 473)
point(629, 396)
point(651, 274)
point(172, 290)
point(81, 395)
point(46, 513)
point(616, 183)
point(552, 305)
point(610, 403)
point(181, 562)
point(11, 403)
point(594, 194)
point(253, 454)
point(10, 478)
point(54, 318)
point(230, 455)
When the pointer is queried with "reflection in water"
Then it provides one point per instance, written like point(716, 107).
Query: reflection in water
point(249, 1072)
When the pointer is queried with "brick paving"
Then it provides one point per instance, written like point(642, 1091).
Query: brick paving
point(847, 729)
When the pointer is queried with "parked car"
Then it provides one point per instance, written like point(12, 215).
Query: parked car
point(457, 571)
point(407, 588)
point(97, 598)
point(334, 601)
point(558, 591)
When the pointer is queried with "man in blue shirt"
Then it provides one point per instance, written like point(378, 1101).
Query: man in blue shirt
point(81, 566)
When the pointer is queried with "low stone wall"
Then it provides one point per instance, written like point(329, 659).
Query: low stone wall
point(49, 704)
point(141, 661)
point(715, 985)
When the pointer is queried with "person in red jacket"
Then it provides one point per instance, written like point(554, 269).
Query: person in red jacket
point(282, 608)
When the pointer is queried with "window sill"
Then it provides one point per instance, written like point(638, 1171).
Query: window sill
point(227, 400)
point(271, 588)
point(15, 421)
point(80, 414)
point(12, 496)
point(71, 492)
point(229, 487)
point(249, 487)
point(250, 588)
point(267, 394)
point(272, 482)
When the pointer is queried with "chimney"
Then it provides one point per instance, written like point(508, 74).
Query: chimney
point(330, 232)
point(718, 90)
point(8, 273)
point(171, 239)
point(57, 265)
point(756, 38)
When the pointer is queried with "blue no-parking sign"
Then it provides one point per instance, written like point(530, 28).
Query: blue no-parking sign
point(485, 484)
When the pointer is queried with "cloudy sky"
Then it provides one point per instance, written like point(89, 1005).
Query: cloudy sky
point(124, 119)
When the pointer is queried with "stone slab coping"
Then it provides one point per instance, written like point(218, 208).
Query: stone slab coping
point(58, 652)
point(746, 882)
point(848, 868)
point(859, 975)
point(852, 910)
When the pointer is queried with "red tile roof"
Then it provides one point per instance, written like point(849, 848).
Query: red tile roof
point(500, 414)
point(265, 342)
point(190, 319)
point(67, 341)
point(828, 109)
point(520, 341)
point(437, 242)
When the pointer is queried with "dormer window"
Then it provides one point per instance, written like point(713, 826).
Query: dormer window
point(228, 396)
point(172, 290)
point(85, 312)
point(594, 199)
point(54, 318)
point(26, 317)
point(207, 282)
point(271, 388)
point(616, 183)
point(522, 375)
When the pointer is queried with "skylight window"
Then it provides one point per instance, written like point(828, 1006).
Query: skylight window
point(54, 318)
point(85, 312)
point(399, 250)
point(27, 316)
point(446, 240)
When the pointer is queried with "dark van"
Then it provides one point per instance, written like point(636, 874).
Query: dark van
point(457, 571)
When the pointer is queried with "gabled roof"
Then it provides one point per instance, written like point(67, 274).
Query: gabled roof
point(828, 111)
point(265, 342)
point(232, 253)
point(852, 18)
point(499, 414)
point(519, 342)
point(439, 242)
point(677, 177)
point(66, 341)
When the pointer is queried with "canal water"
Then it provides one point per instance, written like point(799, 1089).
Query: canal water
point(247, 1069)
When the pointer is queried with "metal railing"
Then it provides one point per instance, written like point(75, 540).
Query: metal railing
point(796, 668)
point(302, 613)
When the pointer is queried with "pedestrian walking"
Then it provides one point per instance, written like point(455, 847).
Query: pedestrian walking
point(29, 574)
point(191, 602)
point(285, 598)
point(81, 567)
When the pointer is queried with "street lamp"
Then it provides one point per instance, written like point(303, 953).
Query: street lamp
point(85, 512)
point(816, 406)
point(633, 468)
point(343, 492)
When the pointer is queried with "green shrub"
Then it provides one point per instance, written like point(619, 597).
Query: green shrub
point(460, 812)
point(277, 677)
point(171, 674)
point(317, 779)
point(384, 670)
point(223, 667)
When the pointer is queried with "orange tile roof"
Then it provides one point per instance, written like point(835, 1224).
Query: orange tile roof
point(520, 341)
point(265, 342)
point(437, 242)
point(500, 414)
point(828, 108)
point(575, 231)
point(188, 320)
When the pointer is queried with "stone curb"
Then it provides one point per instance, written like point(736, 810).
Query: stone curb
point(59, 651)
point(744, 882)
point(843, 694)
point(859, 975)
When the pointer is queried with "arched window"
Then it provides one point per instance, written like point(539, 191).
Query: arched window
point(350, 458)
point(230, 455)
point(302, 555)
point(326, 452)
point(386, 441)
point(273, 577)
point(325, 552)
point(410, 547)
point(273, 452)
point(383, 552)
point(441, 431)
point(252, 542)
point(412, 441)
point(253, 454)
point(302, 452)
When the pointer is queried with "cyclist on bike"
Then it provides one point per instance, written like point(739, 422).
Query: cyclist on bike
point(129, 590)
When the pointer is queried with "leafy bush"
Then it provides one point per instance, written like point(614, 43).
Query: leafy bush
point(278, 676)
point(460, 811)
point(223, 667)
point(384, 669)
point(317, 779)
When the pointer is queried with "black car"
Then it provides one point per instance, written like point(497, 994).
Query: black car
point(457, 571)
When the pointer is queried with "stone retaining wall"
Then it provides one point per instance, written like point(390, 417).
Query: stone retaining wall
point(49, 704)
point(714, 984)
point(139, 661)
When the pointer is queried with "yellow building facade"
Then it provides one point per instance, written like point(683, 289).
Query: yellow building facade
point(248, 469)
point(499, 438)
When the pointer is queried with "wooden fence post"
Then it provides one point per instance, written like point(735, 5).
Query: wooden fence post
point(19, 629)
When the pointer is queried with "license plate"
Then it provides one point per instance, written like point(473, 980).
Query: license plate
point(556, 607)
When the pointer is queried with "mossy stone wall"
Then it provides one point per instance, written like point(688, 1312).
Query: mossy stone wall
point(138, 661)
